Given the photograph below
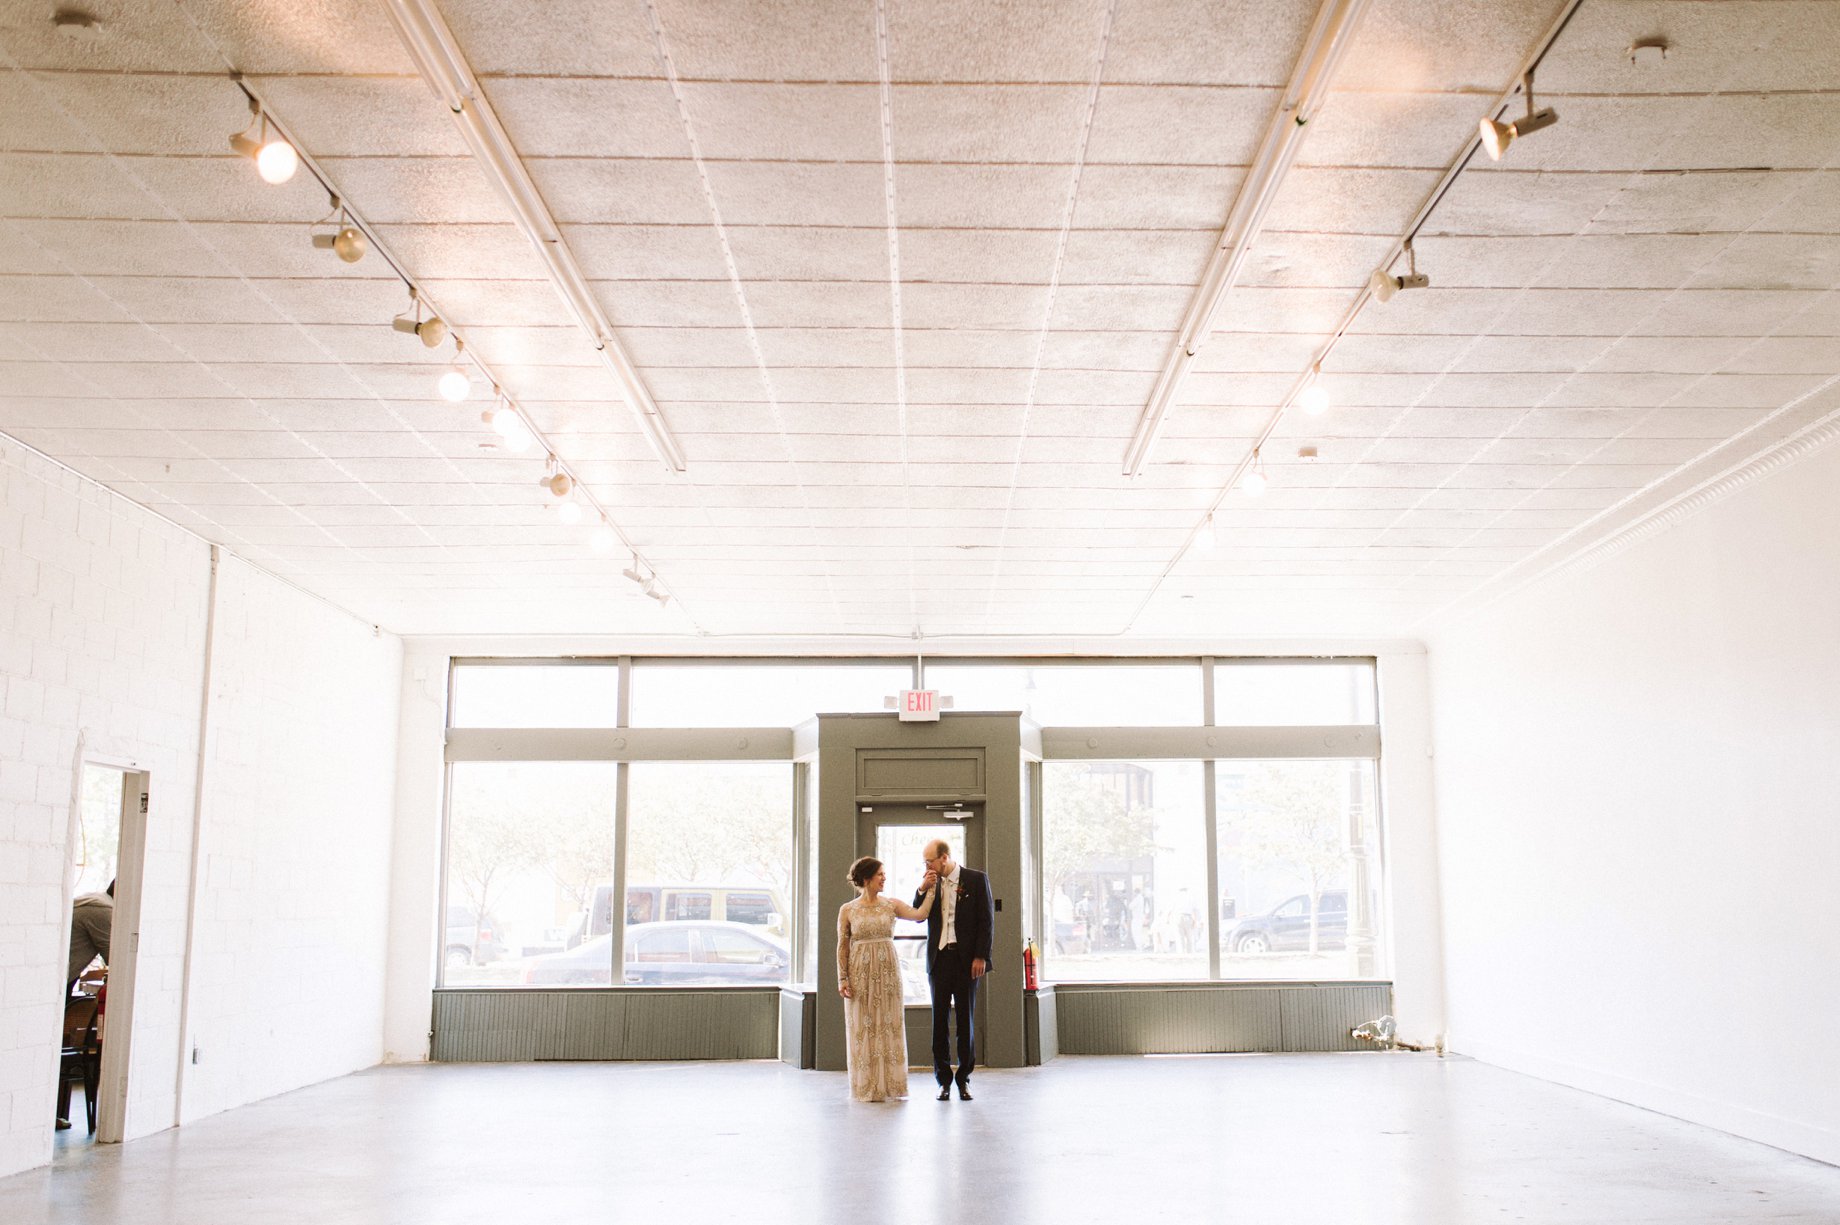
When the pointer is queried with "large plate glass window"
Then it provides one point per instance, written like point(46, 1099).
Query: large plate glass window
point(536, 695)
point(715, 693)
point(1124, 869)
point(1293, 692)
point(709, 874)
point(1056, 694)
point(529, 844)
point(1299, 870)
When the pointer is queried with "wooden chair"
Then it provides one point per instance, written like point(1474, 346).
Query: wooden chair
point(82, 1055)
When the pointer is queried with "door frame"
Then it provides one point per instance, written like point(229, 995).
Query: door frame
point(871, 815)
point(125, 928)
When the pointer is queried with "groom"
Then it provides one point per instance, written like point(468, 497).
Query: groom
point(957, 956)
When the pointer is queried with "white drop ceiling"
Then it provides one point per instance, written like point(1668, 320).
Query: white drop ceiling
point(900, 278)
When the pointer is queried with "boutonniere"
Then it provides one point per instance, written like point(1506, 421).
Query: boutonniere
point(961, 891)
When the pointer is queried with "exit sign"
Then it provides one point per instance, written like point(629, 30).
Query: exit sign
point(919, 705)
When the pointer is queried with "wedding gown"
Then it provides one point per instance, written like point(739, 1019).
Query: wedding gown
point(874, 1015)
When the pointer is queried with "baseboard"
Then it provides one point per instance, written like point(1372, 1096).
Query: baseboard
point(1791, 1135)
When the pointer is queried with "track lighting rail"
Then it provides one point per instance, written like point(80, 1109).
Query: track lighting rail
point(419, 300)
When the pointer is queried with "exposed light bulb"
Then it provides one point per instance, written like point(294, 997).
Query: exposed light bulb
point(1314, 399)
point(569, 511)
point(603, 541)
point(276, 161)
point(455, 386)
point(509, 426)
point(1204, 539)
point(1254, 482)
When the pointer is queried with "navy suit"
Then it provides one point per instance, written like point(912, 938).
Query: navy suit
point(949, 970)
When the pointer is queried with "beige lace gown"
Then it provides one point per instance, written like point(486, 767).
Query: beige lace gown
point(873, 1015)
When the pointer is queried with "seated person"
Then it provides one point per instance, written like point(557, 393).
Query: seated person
point(91, 918)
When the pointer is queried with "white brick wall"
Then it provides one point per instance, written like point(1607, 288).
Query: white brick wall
point(298, 811)
point(103, 610)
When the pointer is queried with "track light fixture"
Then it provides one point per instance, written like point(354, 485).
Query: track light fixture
point(1314, 398)
point(431, 330)
point(636, 572)
point(274, 157)
point(1254, 482)
point(455, 384)
point(557, 482)
point(1497, 136)
point(1384, 284)
point(504, 421)
point(347, 241)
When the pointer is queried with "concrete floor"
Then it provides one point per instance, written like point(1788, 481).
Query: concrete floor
point(1292, 1139)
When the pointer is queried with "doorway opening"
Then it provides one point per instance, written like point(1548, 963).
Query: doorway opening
point(898, 834)
point(107, 828)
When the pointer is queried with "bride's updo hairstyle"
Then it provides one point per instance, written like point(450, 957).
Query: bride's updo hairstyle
point(863, 870)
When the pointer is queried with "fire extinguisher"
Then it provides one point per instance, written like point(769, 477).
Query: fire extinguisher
point(1031, 965)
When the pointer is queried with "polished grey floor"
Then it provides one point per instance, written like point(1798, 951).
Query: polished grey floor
point(1290, 1139)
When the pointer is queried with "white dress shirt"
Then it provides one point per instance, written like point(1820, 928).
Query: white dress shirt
point(948, 908)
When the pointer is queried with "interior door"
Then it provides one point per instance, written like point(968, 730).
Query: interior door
point(897, 835)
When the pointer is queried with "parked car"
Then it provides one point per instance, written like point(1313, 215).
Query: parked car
point(755, 907)
point(1286, 927)
point(670, 954)
point(472, 939)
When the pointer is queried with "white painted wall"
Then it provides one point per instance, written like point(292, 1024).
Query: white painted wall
point(299, 785)
point(103, 615)
point(1640, 835)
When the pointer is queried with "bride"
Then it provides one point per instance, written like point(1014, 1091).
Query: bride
point(869, 980)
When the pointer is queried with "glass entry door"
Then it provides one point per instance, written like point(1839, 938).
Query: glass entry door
point(897, 835)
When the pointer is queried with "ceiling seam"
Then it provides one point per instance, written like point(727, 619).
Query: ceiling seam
point(893, 221)
point(663, 49)
point(1068, 207)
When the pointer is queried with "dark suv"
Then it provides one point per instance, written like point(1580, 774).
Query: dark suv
point(1286, 927)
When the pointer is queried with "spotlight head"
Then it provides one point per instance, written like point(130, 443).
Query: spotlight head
point(1384, 284)
point(431, 330)
point(1254, 482)
point(558, 484)
point(1496, 136)
point(455, 386)
point(348, 244)
point(509, 426)
point(276, 161)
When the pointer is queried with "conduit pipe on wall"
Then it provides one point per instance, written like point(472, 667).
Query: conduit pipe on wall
point(443, 67)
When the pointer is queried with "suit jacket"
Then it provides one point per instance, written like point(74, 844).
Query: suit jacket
point(976, 917)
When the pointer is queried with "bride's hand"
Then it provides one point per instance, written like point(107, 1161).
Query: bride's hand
point(843, 989)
